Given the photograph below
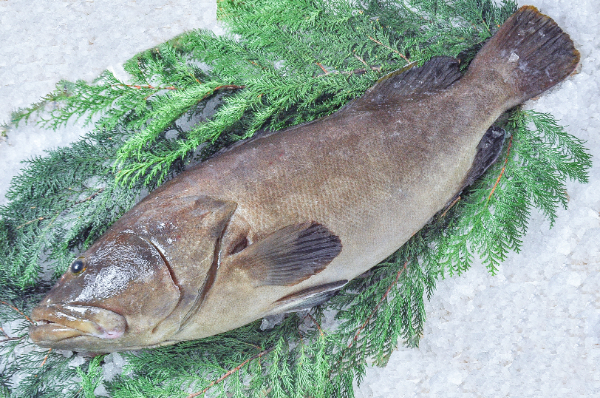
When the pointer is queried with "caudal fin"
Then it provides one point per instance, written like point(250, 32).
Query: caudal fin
point(530, 51)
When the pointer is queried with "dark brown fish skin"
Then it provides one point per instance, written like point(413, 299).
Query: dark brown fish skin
point(370, 175)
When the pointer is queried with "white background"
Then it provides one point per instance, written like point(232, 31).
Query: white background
point(531, 331)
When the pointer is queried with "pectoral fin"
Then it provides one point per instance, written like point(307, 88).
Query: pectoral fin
point(290, 255)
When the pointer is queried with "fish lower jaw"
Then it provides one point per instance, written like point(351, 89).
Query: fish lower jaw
point(53, 325)
point(46, 333)
point(96, 331)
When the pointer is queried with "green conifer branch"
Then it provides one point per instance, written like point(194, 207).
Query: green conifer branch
point(92, 378)
point(292, 61)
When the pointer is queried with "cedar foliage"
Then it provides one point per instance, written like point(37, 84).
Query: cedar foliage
point(284, 62)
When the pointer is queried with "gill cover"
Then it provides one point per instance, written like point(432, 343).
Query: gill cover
point(120, 286)
point(187, 231)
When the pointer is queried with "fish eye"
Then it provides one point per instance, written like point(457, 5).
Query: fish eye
point(78, 266)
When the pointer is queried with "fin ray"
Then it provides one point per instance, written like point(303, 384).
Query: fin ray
point(290, 255)
point(308, 298)
point(488, 151)
point(530, 52)
point(408, 83)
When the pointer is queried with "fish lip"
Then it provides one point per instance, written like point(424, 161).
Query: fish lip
point(55, 323)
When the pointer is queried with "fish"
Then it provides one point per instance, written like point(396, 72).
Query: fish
point(283, 221)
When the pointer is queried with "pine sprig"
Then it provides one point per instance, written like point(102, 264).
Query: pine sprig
point(284, 63)
point(91, 379)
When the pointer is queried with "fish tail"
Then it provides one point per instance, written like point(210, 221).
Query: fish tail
point(530, 52)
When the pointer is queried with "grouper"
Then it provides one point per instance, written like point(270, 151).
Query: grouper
point(283, 221)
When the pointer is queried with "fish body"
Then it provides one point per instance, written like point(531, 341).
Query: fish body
point(281, 222)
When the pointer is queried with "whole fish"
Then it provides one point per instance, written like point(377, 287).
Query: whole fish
point(283, 221)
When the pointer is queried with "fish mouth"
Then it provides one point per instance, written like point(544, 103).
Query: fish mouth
point(55, 323)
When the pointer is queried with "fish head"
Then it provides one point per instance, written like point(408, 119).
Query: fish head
point(111, 298)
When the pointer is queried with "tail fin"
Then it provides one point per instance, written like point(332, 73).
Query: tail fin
point(530, 51)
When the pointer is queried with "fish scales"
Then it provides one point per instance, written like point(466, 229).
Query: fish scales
point(281, 222)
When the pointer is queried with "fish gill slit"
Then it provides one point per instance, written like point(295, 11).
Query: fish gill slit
point(171, 272)
point(208, 281)
point(173, 278)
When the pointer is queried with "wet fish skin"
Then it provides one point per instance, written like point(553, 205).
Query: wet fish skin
point(283, 221)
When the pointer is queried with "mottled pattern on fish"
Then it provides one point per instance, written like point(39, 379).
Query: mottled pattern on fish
point(283, 221)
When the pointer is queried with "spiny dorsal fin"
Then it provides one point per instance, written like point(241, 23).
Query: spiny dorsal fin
point(436, 74)
point(290, 255)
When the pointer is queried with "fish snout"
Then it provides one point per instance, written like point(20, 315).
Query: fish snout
point(55, 323)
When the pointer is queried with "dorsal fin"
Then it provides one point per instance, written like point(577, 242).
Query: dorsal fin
point(436, 74)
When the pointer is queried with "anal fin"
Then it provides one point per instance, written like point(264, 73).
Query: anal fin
point(488, 151)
